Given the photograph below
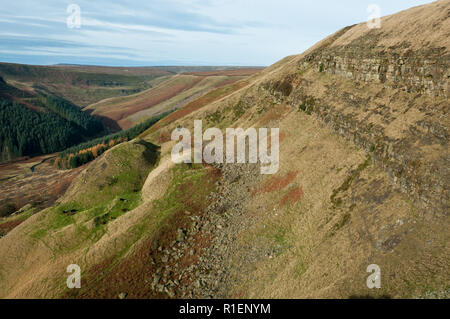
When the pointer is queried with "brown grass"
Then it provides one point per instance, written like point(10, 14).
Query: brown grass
point(276, 183)
point(238, 72)
point(163, 137)
point(274, 114)
point(196, 105)
point(6, 227)
point(292, 197)
point(130, 106)
point(40, 188)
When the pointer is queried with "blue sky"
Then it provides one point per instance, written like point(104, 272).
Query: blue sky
point(175, 32)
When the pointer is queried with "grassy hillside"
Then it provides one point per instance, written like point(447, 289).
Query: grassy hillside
point(171, 94)
point(86, 214)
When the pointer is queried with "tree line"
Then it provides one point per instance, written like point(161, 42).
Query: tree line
point(87, 151)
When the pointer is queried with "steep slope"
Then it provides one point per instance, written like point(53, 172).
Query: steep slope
point(363, 179)
point(9, 92)
point(396, 102)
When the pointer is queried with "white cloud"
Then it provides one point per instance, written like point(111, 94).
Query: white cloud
point(225, 32)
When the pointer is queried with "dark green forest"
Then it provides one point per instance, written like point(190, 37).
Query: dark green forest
point(26, 132)
point(71, 113)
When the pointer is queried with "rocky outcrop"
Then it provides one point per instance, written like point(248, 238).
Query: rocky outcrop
point(425, 72)
point(426, 182)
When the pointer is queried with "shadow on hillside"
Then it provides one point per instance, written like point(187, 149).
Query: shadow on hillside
point(108, 123)
point(152, 151)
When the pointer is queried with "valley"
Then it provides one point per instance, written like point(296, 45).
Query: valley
point(99, 119)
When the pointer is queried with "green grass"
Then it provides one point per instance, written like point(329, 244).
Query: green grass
point(175, 196)
point(280, 237)
point(104, 196)
point(123, 170)
point(57, 218)
point(91, 217)
point(121, 205)
point(300, 268)
point(277, 234)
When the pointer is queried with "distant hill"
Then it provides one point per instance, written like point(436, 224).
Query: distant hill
point(173, 93)
point(82, 85)
point(125, 97)
point(10, 92)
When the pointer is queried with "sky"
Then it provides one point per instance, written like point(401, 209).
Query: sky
point(174, 32)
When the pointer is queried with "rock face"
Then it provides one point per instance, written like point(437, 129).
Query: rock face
point(425, 71)
point(410, 51)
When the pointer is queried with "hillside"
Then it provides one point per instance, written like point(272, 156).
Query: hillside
point(84, 85)
point(363, 179)
point(55, 97)
point(171, 94)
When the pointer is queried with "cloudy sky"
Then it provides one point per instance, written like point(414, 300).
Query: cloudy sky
point(173, 32)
